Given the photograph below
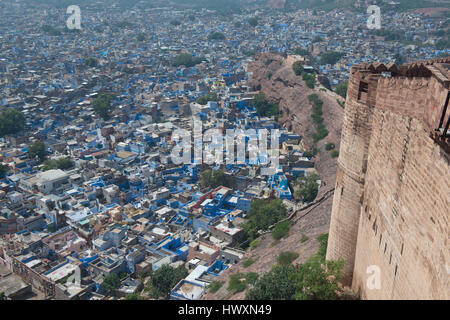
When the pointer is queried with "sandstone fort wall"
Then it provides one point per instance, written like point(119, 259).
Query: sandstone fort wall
point(392, 200)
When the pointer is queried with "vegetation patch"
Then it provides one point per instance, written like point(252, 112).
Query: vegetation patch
point(255, 243)
point(341, 89)
point(248, 262)
point(251, 278)
point(316, 279)
point(321, 130)
point(211, 96)
point(63, 164)
point(330, 146)
point(281, 230)
point(237, 283)
point(331, 57)
point(164, 279)
point(102, 105)
point(308, 187)
point(11, 121)
point(262, 215)
point(334, 154)
point(265, 108)
point(287, 257)
point(187, 60)
point(213, 179)
point(215, 286)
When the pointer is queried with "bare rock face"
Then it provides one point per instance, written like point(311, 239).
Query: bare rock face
point(276, 4)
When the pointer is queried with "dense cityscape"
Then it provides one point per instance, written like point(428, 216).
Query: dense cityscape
point(93, 205)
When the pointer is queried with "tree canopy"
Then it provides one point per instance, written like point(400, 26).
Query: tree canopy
point(341, 89)
point(37, 149)
point(11, 121)
point(90, 62)
point(298, 68)
point(213, 179)
point(211, 96)
point(316, 279)
point(253, 21)
point(216, 36)
point(63, 164)
point(164, 279)
point(331, 57)
point(2, 170)
point(262, 215)
point(102, 105)
point(187, 60)
point(278, 284)
point(308, 187)
point(110, 283)
point(263, 107)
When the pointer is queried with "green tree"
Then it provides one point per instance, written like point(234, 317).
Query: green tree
point(37, 149)
point(164, 279)
point(319, 280)
point(301, 52)
point(265, 108)
point(187, 60)
point(211, 96)
point(281, 230)
point(251, 278)
point(140, 37)
point(216, 36)
point(51, 30)
point(110, 283)
point(310, 79)
point(331, 57)
point(287, 257)
point(277, 284)
point(317, 39)
point(341, 89)
point(334, 154)
point(133, 296)
point(308, 187)
point(90, 62)
point(262, 215)
point(253, 21)
point(2, 170)
point(11, 122)
point(330, 146)
point(315, 279)
point(213, 179)
point(215, 286)
point(102, 105)
point(298, 68)
point(63, 164)
point(235, 283)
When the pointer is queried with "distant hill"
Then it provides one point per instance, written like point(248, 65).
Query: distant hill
point(402, 5)
point(231, 6)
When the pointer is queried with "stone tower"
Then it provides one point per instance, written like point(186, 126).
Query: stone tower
point(392, 198)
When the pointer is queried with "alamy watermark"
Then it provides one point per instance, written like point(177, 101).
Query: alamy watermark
point(236, 146)
point(374, 279)
point(374, 21)
point(74, 21)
